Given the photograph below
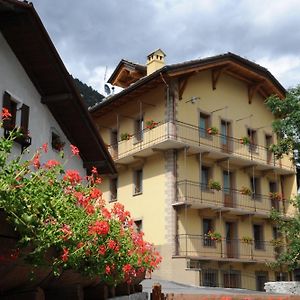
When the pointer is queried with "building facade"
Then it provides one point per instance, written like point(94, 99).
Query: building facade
point(40, 94)
point(191, 143)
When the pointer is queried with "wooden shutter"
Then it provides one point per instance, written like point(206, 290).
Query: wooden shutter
point(7, 104)
point(24, 119)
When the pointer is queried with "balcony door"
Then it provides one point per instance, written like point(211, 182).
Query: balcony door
point(114, 143)
point(273, 189)
point(227, 189)
point(230, 239)
point(225, 134)
point(269, 154)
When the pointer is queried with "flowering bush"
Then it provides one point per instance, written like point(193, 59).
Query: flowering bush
point(57, 211)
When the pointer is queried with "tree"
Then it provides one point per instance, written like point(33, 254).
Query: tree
point(287, 128)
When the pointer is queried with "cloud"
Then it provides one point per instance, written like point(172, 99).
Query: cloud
point(92, 34)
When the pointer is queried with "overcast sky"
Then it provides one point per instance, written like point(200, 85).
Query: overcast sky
point(91, 35)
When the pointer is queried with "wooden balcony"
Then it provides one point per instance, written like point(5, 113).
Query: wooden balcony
point(200, 196)
point(204, 248)
point(172, 135)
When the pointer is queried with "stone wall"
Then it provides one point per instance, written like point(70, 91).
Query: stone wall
point(283, 287)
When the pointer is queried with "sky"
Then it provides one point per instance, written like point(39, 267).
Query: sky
point(92, 36)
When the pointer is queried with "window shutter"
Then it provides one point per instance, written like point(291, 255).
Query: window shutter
point(24, 119)
point(7, 104)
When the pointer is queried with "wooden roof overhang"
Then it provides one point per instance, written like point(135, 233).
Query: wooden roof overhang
point(30, 42)
point(127, 73)
point(257, 78)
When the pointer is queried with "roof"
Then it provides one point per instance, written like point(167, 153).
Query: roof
point(129, 70)
point(235, 65)
point(30, 42)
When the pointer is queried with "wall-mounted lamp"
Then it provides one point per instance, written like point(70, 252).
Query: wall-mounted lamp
point(193, 99)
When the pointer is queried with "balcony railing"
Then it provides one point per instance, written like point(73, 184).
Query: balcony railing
point(197, 195)
point(192, 135)
point(203, 247)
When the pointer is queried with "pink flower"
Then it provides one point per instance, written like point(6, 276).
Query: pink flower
point(51, 164)
point(75, 150)
point(72, 176)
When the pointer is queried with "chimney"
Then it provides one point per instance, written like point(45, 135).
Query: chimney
point(155, 61)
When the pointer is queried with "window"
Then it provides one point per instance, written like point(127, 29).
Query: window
point(269, 142)
point(19, 119)
point(138, 225)
point(139, 127)
point(208, 227)
point(114, 143)
point(204, 123)
point(258, 237)
point(252, 135)
point(56, 141)
point(113, 189)
point(281, 276)
point(255, 187)
point(261, 279)
point(138, 182)
point(210, 278)
point(205, 176)
point(225, 133)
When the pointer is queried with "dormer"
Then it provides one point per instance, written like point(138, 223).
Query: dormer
point(155, 61)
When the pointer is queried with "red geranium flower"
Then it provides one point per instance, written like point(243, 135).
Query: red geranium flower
point(6, 114)
point(36, 161)
point(51, 164)
point(72, 176)
point(45, 147)
point(102, 250)
point(99, 227)
point(65, 255)
point(74, 150)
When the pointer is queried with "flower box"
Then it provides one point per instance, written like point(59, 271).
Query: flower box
point(212, 130)
point(245, 140)
point(214, 185)
point(247, 239)
point(245, 191)
point(151, 124)
point(215, 236)
point(275, 196)
point(125, 136)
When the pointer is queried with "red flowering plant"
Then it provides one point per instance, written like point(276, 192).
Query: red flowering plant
point(57, 211)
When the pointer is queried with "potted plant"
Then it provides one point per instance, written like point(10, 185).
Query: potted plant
point(212, 130)
point(245, 191)
point(214, 185)
point(275, 196)
point(247, 239)
point(151, 124)
point(214, 236)
point(125, 136)
point(245, 140)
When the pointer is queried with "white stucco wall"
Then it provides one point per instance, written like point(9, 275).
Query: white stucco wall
point(15, 81)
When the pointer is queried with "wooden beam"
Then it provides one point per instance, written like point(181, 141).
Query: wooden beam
point(56, 98)
point(215, 75)
point(182, 82)
point(252, 90)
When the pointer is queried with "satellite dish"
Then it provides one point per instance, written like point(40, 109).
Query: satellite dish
point(107, 89)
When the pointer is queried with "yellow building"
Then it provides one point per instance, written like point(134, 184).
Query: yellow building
point(191, 144)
